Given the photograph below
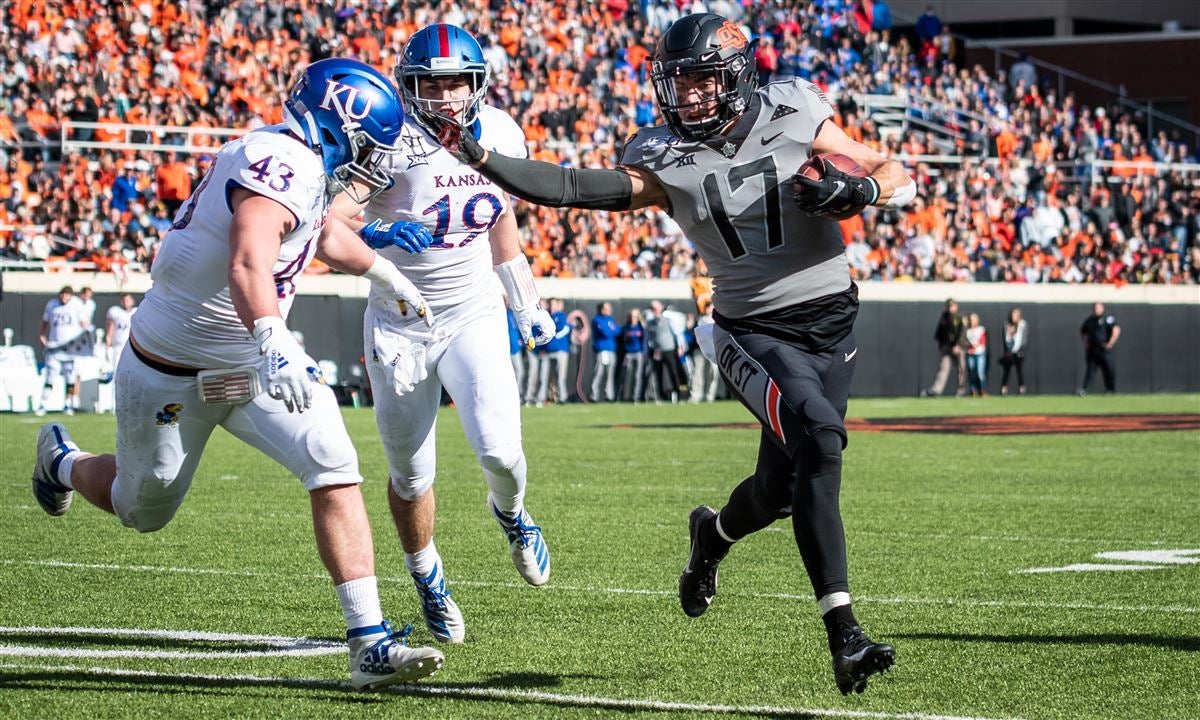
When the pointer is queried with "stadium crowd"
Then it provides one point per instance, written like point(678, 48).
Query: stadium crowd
point(1016, 203)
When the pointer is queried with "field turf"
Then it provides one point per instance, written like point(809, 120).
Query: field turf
point(943, 532)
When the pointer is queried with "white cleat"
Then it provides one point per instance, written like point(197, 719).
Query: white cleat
point(53, 444)
point(530, 554)
point(380, 657)
point(442, 616)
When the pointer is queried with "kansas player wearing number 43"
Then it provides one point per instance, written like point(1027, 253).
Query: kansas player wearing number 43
point(211, 332)
point(784, 302)
point(451, 230)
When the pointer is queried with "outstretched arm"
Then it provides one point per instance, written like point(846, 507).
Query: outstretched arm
point(551, 185)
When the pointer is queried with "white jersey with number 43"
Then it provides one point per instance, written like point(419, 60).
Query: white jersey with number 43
point(187, 317)
point(458, 206)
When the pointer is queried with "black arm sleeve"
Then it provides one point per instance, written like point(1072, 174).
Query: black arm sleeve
point(548, 184)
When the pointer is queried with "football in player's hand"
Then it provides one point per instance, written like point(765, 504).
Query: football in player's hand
point(814, 169)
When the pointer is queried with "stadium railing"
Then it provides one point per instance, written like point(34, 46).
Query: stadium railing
point(155, 137)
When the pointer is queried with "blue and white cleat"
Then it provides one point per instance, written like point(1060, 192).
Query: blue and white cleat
point(53, 444)
point(442, 616)
point(380, 657)
point(528, 547)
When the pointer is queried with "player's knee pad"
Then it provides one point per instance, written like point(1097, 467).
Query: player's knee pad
point(501, 460)
point(410, 489)
point(819, 415)
point(146, 505)
point(826, 447)
point(326, 458)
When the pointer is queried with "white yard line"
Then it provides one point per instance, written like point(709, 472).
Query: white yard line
point(278, 646)
point(960, 602)
point(508, 695)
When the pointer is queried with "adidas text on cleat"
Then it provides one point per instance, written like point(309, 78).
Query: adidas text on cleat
point(53, 444)
point(858, 659)
point(698, 583)
point(528, 547)
point(442, 616)
point(381, 657)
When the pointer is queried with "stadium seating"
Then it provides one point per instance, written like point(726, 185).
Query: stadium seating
point(1018, 184)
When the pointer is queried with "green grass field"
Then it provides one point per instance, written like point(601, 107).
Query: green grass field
point(940, 528)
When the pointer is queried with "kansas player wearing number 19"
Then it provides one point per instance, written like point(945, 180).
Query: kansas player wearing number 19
point(211, 332)
point(471, 237)
point(784, 302)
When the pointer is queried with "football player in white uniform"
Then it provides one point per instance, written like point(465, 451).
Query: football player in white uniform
point(452, 232)
point(65, 334)
point(784, 303)
point(116, 327)
point(211, 331)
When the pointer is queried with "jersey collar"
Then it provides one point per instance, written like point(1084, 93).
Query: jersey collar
point(727, 145)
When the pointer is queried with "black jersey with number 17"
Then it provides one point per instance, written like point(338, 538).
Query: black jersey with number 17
point(732, 197)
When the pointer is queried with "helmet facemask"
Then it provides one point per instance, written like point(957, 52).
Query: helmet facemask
point(730, 99)
point(409, 80)
point(364, 177)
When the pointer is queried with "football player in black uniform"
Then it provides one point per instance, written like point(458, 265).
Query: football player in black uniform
point(784, 302)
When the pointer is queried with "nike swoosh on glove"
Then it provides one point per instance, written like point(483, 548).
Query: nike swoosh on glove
point(835, 193)
point(412, 237)
point(456, 138)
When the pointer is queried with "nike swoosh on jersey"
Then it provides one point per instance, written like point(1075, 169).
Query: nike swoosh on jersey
point(837, 191)
point(767, 140)
point(850, 355)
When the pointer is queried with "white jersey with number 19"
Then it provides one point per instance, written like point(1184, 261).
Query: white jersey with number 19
point(459, 207)
point(187, 317)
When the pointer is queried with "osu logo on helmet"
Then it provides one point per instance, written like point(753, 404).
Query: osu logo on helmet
point(729, 36)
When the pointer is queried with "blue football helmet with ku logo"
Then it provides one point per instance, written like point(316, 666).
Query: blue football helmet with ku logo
point(440, 51)
point(350, 114)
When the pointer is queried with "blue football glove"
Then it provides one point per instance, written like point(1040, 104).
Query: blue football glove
point(410, 236)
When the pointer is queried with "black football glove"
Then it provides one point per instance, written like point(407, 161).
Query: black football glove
point(458, 140)
point(836, 193)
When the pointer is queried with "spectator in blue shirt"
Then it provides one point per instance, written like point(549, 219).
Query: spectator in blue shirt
point(929, 25)
point(124, 189)
point(633, 367)
point(557, 351)
point(605, 332)
point(881, 16)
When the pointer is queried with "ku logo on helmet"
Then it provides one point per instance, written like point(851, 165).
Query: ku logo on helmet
point(346, 106)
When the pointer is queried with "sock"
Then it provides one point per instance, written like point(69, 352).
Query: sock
point(360, 602)
point(65, 465)
point(714, 539)
point(423, 562)
point(837, 614)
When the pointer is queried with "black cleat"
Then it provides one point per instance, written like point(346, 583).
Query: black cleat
point(858, 659)
point(698, 583)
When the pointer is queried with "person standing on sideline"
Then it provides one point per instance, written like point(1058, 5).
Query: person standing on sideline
point(1100, 333)
point(633, 368)
point(558, 352)
point(516, 350)
point(65, 335)
point(706, 378)
point(950, 337)
point(212, 331)
point(977, 340)
point(1016, 339)
point(605, 332)
point(785, 302)
point(117, 322)
point(456, 236)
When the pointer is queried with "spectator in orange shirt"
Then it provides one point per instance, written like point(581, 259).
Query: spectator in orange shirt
point(173, 182)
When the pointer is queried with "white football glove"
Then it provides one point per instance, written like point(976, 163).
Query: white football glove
point(287, 371)
point(535, 325)
point(384, 275)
